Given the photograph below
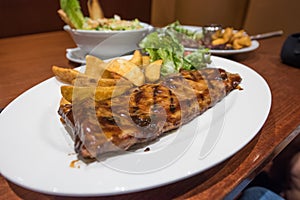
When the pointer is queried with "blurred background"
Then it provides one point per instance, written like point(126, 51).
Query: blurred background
point(20, 17)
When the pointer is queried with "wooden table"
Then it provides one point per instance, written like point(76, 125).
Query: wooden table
point(27, 60)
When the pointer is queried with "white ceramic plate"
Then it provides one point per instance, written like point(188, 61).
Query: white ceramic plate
point(108, 44)
point(36, 151)
point(254, 45)
point(76, 55)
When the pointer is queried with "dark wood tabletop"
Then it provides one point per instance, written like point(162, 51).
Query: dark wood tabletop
point(27, 60)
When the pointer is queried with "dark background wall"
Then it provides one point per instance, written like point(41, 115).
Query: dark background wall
point(20, 17)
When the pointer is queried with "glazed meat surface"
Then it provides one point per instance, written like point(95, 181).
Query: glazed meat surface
point(144, 113)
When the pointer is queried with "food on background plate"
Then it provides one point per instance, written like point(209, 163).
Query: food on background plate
point(223, 39)
point(139, 113)
point(230, 39)
point(187, 37)
point(163, 44)
point(72, 15)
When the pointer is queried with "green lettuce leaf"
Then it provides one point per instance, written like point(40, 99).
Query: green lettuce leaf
point(163, 44)
point(197, 59)
point(73, 10)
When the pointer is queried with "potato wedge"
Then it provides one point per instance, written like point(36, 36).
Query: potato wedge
point(95, 67)
point(232, 39)
point(146, 60)
point(241, 42)
point(114, 82)
point(237, 35)
point(102, 93)
point(137, 58)
point(84, 81)
point(236, 45)
point(65, 74)
point(217, 34)
point(99, 93)
point(228, 32)
point(128, 70)
point(245, 41)
point(63, 101)
point(152, 71)
point(218, 41)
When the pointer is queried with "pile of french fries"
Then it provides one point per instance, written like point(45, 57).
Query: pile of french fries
point(103, 80)
point(232, 39)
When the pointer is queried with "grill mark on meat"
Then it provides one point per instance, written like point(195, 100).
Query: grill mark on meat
point(146, 112)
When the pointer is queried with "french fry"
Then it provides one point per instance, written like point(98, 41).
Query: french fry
point(217, 34)
point(232, 39)
point(95, 10)
point(227, 34)
point(127, 70)
point(152, 71)
point(137, 58)
point(65, 74)
point(218, 41)
point(245, 41)
point(237, 35)
point(242, 42)
point(99, 93)
point(236, 45)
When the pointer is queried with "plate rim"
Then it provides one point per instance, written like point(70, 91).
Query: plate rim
point(254, 45)
point(70, 55)
point(18, 182)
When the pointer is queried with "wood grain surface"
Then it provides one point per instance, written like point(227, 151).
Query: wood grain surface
point(25, 61)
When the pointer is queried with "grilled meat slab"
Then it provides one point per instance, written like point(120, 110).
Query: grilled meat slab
point(144, 113)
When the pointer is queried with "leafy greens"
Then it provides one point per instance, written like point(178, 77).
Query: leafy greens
point(73, 10)
point(163, 44)
point(176, 26)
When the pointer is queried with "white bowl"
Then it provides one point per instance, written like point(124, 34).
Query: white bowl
point(108, 44)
